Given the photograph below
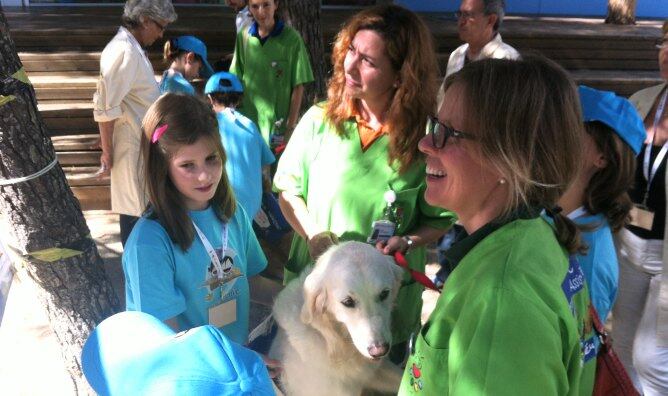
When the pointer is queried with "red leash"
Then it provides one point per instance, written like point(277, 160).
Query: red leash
point(418, 276)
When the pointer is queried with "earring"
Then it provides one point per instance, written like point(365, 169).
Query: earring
point(502, 181)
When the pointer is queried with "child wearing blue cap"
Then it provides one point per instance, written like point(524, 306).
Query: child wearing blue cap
point(598, 199)
point(248, 155)
point(187, 60)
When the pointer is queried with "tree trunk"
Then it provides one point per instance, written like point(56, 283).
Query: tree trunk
point(304, 16)
point(42, 213)
point(621, 12)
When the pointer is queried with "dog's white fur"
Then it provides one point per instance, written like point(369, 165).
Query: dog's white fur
point(325, 346)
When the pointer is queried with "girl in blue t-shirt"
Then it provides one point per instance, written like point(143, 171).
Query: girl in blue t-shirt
point(599, 198)
point(186, 56)
point(188, 259)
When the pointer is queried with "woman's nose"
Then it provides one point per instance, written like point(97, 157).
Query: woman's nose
point(425, 145)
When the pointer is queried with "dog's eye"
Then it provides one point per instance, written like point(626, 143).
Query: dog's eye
point(383, 295)
point(348, 302)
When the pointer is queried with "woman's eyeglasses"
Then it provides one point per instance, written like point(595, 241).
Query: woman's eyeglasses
point(440, 133)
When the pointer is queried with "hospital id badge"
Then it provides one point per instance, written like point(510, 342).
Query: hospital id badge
point(382, 231)
point(223, 314)
point(641, 217)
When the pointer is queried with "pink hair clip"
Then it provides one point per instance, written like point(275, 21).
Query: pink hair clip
point(158, 133)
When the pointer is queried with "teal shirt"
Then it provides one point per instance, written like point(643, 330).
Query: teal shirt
point(343, 187)
point(269, 72)
point(503, 324)
point(174, 82)
point(166, 281)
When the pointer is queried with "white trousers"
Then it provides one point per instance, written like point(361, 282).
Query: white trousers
point(635, 312)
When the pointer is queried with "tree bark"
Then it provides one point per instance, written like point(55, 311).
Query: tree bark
point(621, 12)
point(304, 16)
point(42, 213)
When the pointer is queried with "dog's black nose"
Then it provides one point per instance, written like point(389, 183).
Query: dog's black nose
point(377, 350)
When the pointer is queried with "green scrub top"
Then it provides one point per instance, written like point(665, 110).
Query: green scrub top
point(269, 73)
point(343, 188)
point(504, 324)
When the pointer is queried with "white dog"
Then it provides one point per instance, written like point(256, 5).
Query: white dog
point(335, 324)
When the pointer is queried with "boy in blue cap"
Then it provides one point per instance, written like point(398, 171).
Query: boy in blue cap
point(187, 57)
point(134, 353)
point(598, 199)
point(248, 156)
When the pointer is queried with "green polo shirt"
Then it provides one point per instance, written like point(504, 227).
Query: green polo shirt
point(343, 187)
point(504, 325)
point(269, 71)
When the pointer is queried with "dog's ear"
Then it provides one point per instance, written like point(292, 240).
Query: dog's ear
point(315, 297)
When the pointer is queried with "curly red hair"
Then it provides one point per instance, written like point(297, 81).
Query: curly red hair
point(409, 46)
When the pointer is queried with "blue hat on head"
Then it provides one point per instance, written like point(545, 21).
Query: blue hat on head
point(193, 44)
point(615, 112)
point(134, 353)
point(223, 82)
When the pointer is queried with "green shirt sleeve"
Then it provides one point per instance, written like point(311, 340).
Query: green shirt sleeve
point(302, 72)
point(292, 170)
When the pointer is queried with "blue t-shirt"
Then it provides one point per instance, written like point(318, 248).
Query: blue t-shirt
point(166, 282)
point(174, 82)
point(247, 153)
point(600, 263)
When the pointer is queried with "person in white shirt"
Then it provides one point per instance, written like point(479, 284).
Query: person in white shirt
point(478, 23)
point(244, 18)
point(126, 88)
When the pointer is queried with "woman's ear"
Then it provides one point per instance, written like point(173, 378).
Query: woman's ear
point(190, 57)
point(600, 161)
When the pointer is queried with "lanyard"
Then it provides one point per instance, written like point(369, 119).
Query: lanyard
point(579, 212)
point(649, 175)
point(420, 277)
point(211, 251)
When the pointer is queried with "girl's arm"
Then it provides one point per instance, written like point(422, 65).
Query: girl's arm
point(295, 105)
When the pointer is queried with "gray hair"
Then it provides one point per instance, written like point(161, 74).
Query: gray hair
point(496, 7)
point(153, 9)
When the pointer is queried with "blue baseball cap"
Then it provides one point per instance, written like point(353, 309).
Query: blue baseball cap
point(223, 82)
point(134, 353)
point(615, 112)
point(193, 44)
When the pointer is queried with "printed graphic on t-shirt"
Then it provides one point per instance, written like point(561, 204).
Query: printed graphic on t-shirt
point(226, 276)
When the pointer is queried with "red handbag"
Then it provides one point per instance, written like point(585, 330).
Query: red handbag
point(611, 377)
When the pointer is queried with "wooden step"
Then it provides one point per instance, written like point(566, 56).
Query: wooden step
point(93, 197)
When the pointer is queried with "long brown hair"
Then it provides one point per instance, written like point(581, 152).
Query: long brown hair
point(527, 119)
point(410, 48)
point(607, 191)
point(188, 119)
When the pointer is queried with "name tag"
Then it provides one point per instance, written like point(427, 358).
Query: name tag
point(382, 231)
point(574, 281)
point(641, 217)
point(223, 314)
point(589, 349)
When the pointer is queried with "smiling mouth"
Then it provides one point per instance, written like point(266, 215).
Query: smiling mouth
point(435, 173)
